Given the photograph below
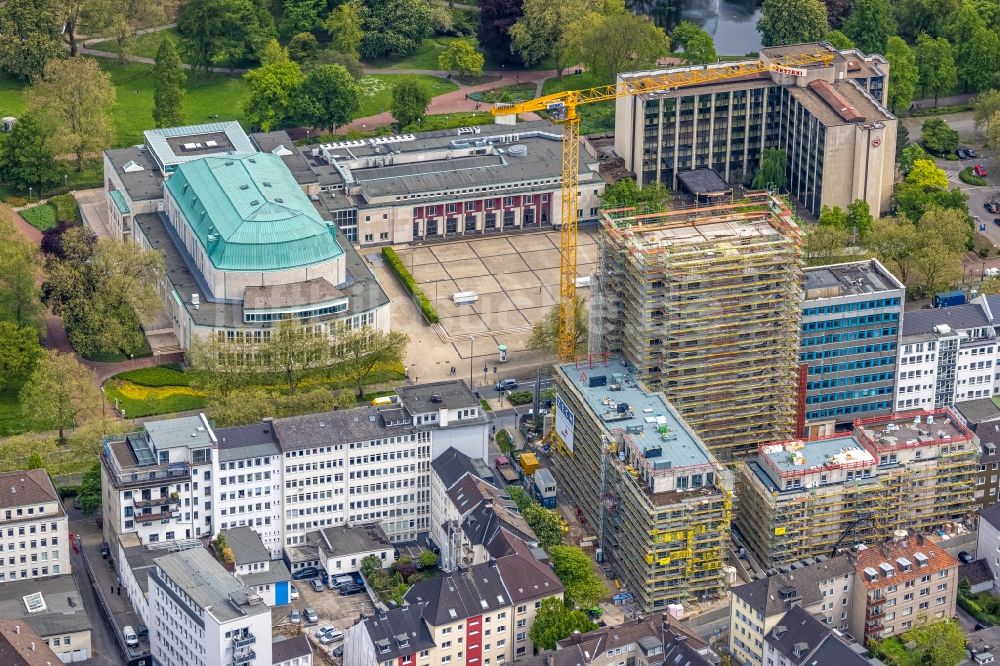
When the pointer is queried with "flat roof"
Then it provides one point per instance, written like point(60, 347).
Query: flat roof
point(64, 610)
point(645, 417)
point(176, 145)
point(810, 455)
point(704, 182)
point(980, 410)
point(246, 544)
point(340, 426)
point(447, 394)
point(209, 585)
point(342, 540)
point(138, 173)
point(909, 429)
point(851, 279)
point(192, 432)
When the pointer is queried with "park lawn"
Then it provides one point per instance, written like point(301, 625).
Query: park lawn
point(515, 93)
point(11, 420)
point(12, 100)
point(138, 400)
point(42, 217)
point(145, 45)
point(377, 89)
point(594, 118)
point(425, 57)
point(443, 121)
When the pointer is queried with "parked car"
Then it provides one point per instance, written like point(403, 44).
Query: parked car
point(324, 628)
point(131, 639)
point(979, 170)
point(295, 617)
point(143, 631)
point(992, 207)
point(339, 651)
point(351, 589)
point(332, 636)
point(506, 384)
point(965, 557)
point(317, 585)
point(303, 574)
point(971, 153)
point(293, 592)
point(310, 615)
point(961, 153)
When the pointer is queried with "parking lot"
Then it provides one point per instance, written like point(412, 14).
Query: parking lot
point(330, 607)
point(516, 278)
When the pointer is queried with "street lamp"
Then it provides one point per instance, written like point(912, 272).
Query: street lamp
point(66, 180)
point(472, 355)
point(29, 193)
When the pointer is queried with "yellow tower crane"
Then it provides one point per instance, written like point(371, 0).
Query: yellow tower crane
point(562, 108)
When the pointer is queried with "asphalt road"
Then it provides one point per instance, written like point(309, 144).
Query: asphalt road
point(526, 384)
point(104, 650)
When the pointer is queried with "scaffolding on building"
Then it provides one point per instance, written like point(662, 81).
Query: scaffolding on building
point(705, 303)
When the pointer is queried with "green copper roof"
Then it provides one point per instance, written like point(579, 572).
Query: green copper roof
point(250, 215)
point(120, 202)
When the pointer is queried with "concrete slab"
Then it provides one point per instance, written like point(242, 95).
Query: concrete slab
point(548, 276)
point(453, 251)
point(440, 290)
point(463, 325)
point(531, 242)
point(429, 272)
point(519, 281)
point(504, 263)
point(484, 284)
point(489, 247)
point(534, 315)
point(463, 268)
point(531, 298)
point(420, 255)
point(498, 321)
point(586, 254)
point(540, 259)
point(496, 302)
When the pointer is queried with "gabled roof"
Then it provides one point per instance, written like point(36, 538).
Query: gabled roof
point(765, 595)
point(31, 486)
point(285, 648)
point(399, 632)
point(991, 514)
point(451, 466)
point(683, 647)
point(249, 214)
point(246, 545)
point(527, 578)
point(976, 572)
point(20, 645)
point(797, 635)
point(461, 594)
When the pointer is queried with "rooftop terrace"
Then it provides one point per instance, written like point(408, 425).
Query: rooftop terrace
point(911, 429)
point(660, 438)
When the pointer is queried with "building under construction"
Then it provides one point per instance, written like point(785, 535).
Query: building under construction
point(704, 303)
point(803, 498)
point(638, 474)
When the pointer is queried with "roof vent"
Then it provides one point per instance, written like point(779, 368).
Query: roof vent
point(518, 150)
point(244, 186)
point(278, 200)
point(255, 202)
point(266, 183)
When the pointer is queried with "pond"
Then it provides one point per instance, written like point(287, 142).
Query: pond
point(731, 23)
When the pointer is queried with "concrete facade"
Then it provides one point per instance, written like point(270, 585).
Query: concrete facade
point(34, 527)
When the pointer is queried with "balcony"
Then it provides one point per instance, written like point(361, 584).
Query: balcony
point(875, 612)
point(146, 518)
point(244, 641)
point(156, 502)
point(241, 660)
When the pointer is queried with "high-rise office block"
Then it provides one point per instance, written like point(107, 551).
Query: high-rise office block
point(704, 303)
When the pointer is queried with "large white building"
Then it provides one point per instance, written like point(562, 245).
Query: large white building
point(180, 479)
point(33, 525)
point(200, 615)
point(948, 355)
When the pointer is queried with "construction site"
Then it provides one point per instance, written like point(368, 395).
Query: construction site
point(805, 498)
point(704, 303)
point(640, 477)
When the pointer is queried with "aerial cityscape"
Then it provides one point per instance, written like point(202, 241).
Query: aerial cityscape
point(484, 332)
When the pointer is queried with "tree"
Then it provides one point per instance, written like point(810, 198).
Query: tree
point(773, 163)
point(919, 16)
point(834, 217)
point(905, 75)
point(859, 217)
point(870, 25)
point(696, 45)
point(621, 42)
point(584, 588)
point(926, 175)
point(19, 352)
point(292, 350)
point(826, 244)
point(60, 393)
point(792, 21)
point(545, 332)
point(26, 158)
point(227, 32)
point(299, 16)
point(410, 99)
point(985, 106)
point(123, 18)
point(545, 523)
point(271, 90)
point(365, 350)
point(977, 68)
point(895, 242)
point(941, 643)
point(345, 60)
point(911, 154)
point(18, 290)
point(938, 137)
point(840, 41)
point(626, 194)
point(88, 497)
point(936, 63)
point(168, 86)
point(72, 103)
point(29, 38)
point(993, 130)
point(461, 56)
point(554, 622)
point(551, 29)
point(370, 565)
point(428, 559)
point(393, 28)
point(329, 97)
point(344, 26)
point(303, 48)
point(496, 17)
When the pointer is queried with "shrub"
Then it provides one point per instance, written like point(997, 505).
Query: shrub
point(41, 217)
point(397, 266)
point(520, 397)
point(504, 441)
point(66, 207)
point(969, 178)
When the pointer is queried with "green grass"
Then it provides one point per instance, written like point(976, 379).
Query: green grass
point(91, 176)
point(11, 420)
point(444, 121)
point(967, 176)
point(145, 45)
point(426, 57)
point(514, 93)
point(378, 90)
point(135, 408)
point(158, 376)
point(12, 101)
point(40, 217)
point(594, 118)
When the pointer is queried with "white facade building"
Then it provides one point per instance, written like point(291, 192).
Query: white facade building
point(33, 527)
point(200, 615)
point(988, 541)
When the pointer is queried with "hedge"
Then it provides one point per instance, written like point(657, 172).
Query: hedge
point(969, 178)
point(404, 276)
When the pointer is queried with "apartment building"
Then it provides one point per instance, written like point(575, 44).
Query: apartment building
point(849, 341)
point(54, 608)
point(798, 497)
point(248, 491)
point(705, 304)
point(802, 640)
point(476, 615)
point(988, 539)
point(982, 416)
point(473, 181)
point(822, 588)
point(658, 499)
point(903, 582)
point(20, 645)
point(340, 550)
point(34, 527)
point(829, 118)
point(254, 567)
point(644, 641)
point(156, 482)
point(200, 615)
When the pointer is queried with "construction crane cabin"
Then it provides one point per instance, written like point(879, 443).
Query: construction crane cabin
point(561, 108)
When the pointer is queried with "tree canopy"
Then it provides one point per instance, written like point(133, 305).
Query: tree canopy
point(905, 75)
point(29, 38)
point(410, 99)
point(392, 28)
point(936, 63)
point(545, 332)
point(792, 21)
point(344, 26)
point(60, 393)
point(621, 42)
point(626, 194)
point(365, 350)
point(329, 97)
point(168, 86)
point(461, 56)
point(554, 622)
point(772, 171)
point(26, 158)
point(870, 25)
point(496, 17)
point(225, 32)
point(696, 45)
point(584, 588)
point(272, 89)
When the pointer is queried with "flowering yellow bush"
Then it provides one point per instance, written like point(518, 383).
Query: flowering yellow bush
point(137, 392)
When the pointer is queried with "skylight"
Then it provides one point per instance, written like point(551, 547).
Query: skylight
point(35, 602)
